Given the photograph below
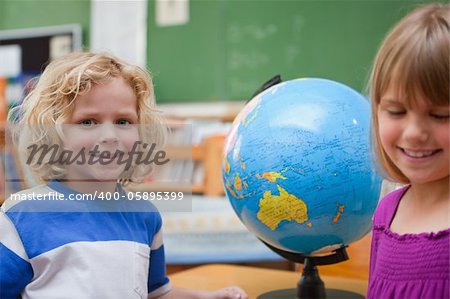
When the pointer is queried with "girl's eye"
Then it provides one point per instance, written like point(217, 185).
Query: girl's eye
point(123, 122)
point(87, 123)
point(441, 117)
point(394, 112)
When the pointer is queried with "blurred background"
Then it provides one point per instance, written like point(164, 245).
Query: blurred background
point(207, 58)
point(221, 50)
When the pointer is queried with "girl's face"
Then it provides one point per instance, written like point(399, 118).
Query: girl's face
point(104, 121)
point(415, 136)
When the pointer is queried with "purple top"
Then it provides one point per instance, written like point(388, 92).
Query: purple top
point(409, 265)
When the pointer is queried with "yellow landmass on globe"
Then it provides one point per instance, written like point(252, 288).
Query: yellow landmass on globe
point(275, 208)
point(339, 213)
point(271, 176)
point(228, 186)
point(233, 192)
point(237, 182)
point(226, 165)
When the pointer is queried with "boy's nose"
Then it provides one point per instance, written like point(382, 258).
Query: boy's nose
point(108, 134)
point(109, 140)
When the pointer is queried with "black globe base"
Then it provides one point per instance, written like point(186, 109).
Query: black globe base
point(310, 286)
point(292, 294)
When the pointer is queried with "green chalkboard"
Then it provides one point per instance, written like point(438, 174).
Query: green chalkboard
point(18, 14)
point(186, 60)
point(229, 48)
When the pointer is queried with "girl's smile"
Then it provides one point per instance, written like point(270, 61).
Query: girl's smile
point(416, 136)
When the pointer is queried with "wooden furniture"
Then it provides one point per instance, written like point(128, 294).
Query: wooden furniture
point(357, 266)
point(195, 117)
point(208, 153)
point(212, 164)
point(254, 281)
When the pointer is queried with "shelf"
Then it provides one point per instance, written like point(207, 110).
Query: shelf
point(166, 187)
point(195, 153)
point(225, 111)
point(209, 154)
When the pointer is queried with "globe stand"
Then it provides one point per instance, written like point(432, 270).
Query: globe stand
point(310, 286)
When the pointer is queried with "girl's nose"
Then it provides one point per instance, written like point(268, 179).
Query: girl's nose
point(416, 131)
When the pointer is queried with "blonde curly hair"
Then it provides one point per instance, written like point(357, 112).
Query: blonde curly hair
point(38, 120)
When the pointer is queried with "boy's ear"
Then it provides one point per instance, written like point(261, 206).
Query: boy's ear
point(269, 83)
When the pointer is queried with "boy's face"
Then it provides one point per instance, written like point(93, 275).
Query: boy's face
point(103, 123)
point(415, 134)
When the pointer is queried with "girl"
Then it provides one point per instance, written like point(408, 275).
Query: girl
point(410, 114)
point(96, 108)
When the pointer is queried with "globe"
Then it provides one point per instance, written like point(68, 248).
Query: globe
point(297, 166)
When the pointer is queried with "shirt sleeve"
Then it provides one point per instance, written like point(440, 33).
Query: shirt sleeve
point(158, 283)
point(15, 270)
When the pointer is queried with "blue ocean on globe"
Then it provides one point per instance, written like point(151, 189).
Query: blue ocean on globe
point(297, 166)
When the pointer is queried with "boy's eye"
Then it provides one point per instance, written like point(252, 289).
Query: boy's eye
point(123, 122)
point(87, 123)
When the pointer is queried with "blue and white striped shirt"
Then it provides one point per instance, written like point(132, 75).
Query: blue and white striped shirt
point(79, 254)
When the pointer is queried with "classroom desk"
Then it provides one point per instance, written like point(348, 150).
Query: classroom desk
point(255, 281)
